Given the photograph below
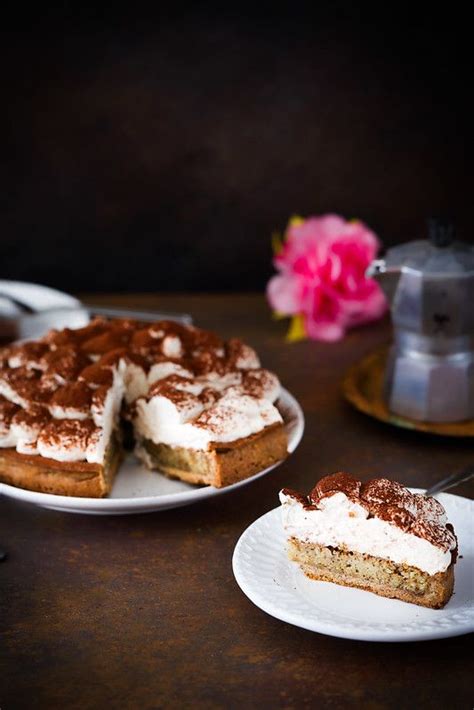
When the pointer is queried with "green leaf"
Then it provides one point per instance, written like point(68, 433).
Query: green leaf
point(297, 330)
point(277, 243)
point(295, 221)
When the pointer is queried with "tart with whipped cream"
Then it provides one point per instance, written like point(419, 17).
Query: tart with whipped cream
point(201, 409)
point(376, 536)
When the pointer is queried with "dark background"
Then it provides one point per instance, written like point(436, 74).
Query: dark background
point(159, 151)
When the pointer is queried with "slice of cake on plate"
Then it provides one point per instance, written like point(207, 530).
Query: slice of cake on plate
point(214, 429)
point(202, 409)
point(376, 536)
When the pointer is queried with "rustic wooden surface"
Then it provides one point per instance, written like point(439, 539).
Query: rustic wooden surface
point(142, 611)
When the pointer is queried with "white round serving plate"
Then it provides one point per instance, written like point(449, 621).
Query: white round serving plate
point(279, 587)
point(138, 490)
point(38, 297)
point(41, 298)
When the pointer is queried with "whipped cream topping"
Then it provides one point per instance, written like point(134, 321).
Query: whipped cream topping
point(339, 520)
point(105, 410)
point(66, 440)
point(71, 401)
point(61, 397)
point(194, 423)
point(135, 380)
point(172, 346)
point(247, 358)
point(21, 429)
point(163, 369)
point(11, 394)
point(25, 431)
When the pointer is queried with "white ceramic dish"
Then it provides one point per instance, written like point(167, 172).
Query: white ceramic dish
point(38, 297)
point(280, 588)
point(41, 298)
point(137, 490)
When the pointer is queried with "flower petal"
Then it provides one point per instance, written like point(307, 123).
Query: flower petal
point(284, 294)
point(322, 266)
point(324, 330)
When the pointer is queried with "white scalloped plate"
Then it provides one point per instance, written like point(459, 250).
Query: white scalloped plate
point(280, 588)
point(138, 490)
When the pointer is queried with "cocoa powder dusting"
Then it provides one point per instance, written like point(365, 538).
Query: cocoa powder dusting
point(73, 370)
point(29, 353)
point(37, 417)
point(66, 433)
point(76, 395)
point(336, 483)
point(389, 501)
point(64, 362)
point(97, 374)
point(7, 410)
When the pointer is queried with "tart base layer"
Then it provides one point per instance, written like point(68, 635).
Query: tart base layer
point(373, 574)
point(76, 478)
point(224, 464)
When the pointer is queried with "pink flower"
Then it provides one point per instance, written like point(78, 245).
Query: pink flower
point(321, 279)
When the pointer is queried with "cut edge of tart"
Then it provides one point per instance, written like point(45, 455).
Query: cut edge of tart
point(221, 465)
point(376, 536)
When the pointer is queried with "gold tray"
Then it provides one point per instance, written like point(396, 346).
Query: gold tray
point(363, 388)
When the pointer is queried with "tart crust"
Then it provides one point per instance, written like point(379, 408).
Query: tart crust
point(67, 478)
point(223, 464)
point(373, 574)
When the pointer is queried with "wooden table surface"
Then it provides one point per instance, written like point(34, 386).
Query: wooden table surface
point(142, 611)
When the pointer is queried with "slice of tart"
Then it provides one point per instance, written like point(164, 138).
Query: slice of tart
point(376, 536)
point(211, 430)
point(219, 464)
